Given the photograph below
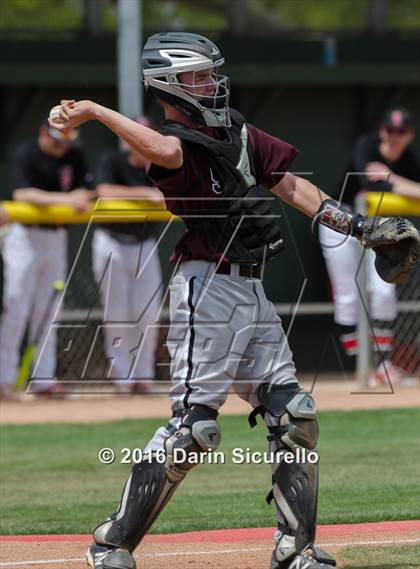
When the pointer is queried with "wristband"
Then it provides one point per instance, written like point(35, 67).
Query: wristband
point(333, 215)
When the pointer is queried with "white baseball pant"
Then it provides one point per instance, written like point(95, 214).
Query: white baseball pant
point(342, 255)
point(130, 281)
point(34, 258)
point(224, 334)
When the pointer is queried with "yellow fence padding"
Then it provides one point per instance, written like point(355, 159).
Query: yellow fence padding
point(120, 211)
point(387, 203)
point(103, 211)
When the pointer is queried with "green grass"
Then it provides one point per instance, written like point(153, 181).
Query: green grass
point(401, 557)
point(53, 482)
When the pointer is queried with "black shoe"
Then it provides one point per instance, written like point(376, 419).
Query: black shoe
point(103, 557)
point(312, 558)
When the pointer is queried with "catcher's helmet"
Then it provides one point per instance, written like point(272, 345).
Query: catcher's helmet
point(168, 54)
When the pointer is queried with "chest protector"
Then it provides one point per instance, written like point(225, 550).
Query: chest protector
point(239, 220)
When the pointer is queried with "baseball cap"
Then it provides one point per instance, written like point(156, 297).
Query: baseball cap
point(398, 118)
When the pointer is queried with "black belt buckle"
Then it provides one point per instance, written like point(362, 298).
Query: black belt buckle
point(250, 271)
point(255, 272)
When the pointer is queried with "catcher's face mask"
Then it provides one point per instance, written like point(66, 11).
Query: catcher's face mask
point(207, 86)
point(205, 89)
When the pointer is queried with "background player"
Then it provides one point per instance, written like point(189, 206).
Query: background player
point(4, 220)
point(49, 170)
point(126, 266)
point(390, 164)
point(3, 217)
point(224, 332)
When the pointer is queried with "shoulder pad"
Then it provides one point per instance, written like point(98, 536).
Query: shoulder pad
point(183, 132)
point(237, 118)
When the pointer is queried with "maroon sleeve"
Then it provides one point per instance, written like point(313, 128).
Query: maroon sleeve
point(273, 156)
point(180, 180)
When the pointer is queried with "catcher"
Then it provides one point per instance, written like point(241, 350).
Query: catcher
point(214, 170)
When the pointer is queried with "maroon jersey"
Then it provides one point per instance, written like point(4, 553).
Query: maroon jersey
point(195, 179)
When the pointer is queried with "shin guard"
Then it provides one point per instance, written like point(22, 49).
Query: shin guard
point(153, 481)
point(290, 415)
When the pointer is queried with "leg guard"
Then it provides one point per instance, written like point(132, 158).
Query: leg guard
point(290, 415)
point(152, 484)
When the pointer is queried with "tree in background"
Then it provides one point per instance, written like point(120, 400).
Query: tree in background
point(259, 17)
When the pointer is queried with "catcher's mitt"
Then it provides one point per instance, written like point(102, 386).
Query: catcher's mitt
point(396, 243)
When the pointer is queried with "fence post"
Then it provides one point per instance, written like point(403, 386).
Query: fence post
point(364, 352)
point(130, 89)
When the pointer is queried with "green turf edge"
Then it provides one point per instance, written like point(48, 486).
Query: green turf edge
point(52, 481)
point(382, 557)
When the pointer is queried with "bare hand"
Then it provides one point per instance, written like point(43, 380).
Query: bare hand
point(155, 197)
point(72, 114)
point(376, 171)
point(80, 199)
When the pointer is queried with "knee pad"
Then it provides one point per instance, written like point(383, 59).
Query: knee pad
point(198, 433)
point(294, 415)
point(152, 482)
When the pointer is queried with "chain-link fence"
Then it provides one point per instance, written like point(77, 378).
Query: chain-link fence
point(81, 354)
point(405, 354)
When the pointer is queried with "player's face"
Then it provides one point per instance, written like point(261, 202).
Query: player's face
point(200, 83)
point(397, 138)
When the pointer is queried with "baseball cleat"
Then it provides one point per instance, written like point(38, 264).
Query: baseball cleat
point(102, 557)
point(53, 392)
point(385, 374)
point(311, 558)
point(140, 387)
point(9, 394)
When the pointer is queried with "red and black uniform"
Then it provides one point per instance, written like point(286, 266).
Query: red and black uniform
point(195, 180)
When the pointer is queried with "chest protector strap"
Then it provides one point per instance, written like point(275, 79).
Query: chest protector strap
point(239, 220)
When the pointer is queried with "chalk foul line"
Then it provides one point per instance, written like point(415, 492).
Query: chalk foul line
point(214, 552)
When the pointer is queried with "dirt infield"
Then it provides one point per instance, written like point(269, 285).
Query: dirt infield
point(329, 395)
point(225, 549)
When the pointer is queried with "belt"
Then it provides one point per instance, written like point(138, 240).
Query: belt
point(249, 271)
